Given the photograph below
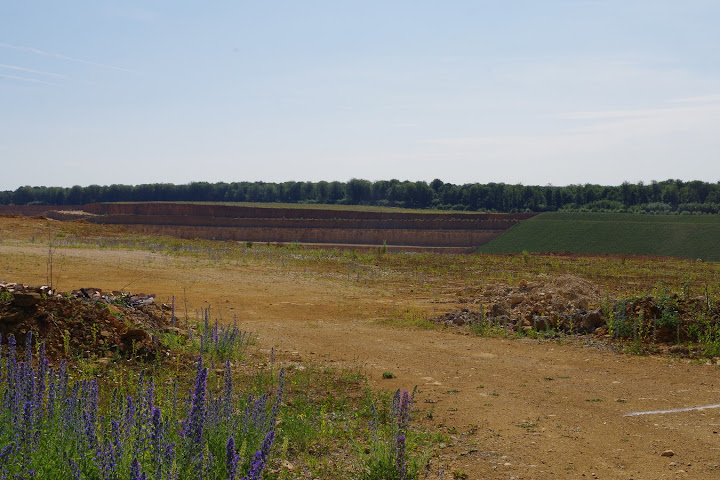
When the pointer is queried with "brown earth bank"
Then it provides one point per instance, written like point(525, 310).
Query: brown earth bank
point(238, 211)
point(449, 223)
point(512, 408)
point(30, 210)
point(305, 225)
point(365, 236)
point(277, 224)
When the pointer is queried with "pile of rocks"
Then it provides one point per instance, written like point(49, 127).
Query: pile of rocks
point(564, 303)
point(86, 322)
point(27, 295)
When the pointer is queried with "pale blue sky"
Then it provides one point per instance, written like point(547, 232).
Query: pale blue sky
point(532, 92)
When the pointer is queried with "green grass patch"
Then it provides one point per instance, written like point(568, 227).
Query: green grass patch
point(323, 206)
point(688, 236)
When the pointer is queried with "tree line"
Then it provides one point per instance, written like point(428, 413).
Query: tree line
point(670, 196)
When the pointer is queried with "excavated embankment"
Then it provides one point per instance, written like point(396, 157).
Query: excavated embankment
point(434, 231)
point(307, 225)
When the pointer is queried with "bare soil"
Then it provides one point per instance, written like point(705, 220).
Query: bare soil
point(523, 409)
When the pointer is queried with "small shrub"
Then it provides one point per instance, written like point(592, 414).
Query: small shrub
point(383, 248)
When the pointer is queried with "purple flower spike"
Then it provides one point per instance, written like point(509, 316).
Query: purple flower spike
point(135, 473)
point(258, 464)
point(196, 419)
point(232, 459)
point(400, 457)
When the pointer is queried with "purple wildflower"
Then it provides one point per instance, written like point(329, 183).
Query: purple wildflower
point(232, 459)
point(227, 407)
point(135, 473)
point(11, 371)
point(89, 412)
point(116, 438)
point(77, 475)
point(169, 461)
point(43, 368)
point(196, 419)
point(27, 426)
point(258, 464)
point(5, 452)
point(403, 411)
point(400, 465)
point(156, 439)
point(156, 429)
point(108, 460)
point(278, 398)
point(401, 406)
point(129, 415)
point(255, 413)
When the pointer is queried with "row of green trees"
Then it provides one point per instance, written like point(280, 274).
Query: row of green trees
point(670, 196)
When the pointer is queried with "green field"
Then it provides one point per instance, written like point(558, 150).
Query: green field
point(327, 206)
point(691, 236)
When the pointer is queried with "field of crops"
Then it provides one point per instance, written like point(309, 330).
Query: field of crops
point(688, 236)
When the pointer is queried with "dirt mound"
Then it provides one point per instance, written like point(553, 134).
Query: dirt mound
point(665, 319)
point(85, 322)
point(572, 305)
point(565, 302)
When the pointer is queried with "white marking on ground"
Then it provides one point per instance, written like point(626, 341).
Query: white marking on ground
point(674, 410)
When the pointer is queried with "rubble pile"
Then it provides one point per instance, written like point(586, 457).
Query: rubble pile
point(571, 305)
point(86, 322)
point(563, 303)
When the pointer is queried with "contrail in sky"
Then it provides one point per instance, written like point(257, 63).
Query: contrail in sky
point(60, 56)
point(29, 70)
point(25, 79)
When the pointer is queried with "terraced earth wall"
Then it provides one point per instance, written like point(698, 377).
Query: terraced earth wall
point(32, 210)
point(306, 225)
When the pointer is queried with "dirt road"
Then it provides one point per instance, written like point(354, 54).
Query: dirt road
point(514, 408)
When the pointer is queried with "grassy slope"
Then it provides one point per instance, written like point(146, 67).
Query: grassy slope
point(614, 233)
point(327, 206)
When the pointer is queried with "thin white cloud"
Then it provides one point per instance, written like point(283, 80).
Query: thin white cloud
point(131, 13)
point(605, 114)
point(613, 126)
point(640, 113)
point(29, 70)
point(713, 98)
point(60, 56)
point(26, 79)
point(638, 143)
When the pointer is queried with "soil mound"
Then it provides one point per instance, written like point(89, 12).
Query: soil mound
point(572, 305)
point(561, 303)
point(86, 322)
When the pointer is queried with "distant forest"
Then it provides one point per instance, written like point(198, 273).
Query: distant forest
point(670, 196)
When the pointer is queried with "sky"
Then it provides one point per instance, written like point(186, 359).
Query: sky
point(519, 91)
